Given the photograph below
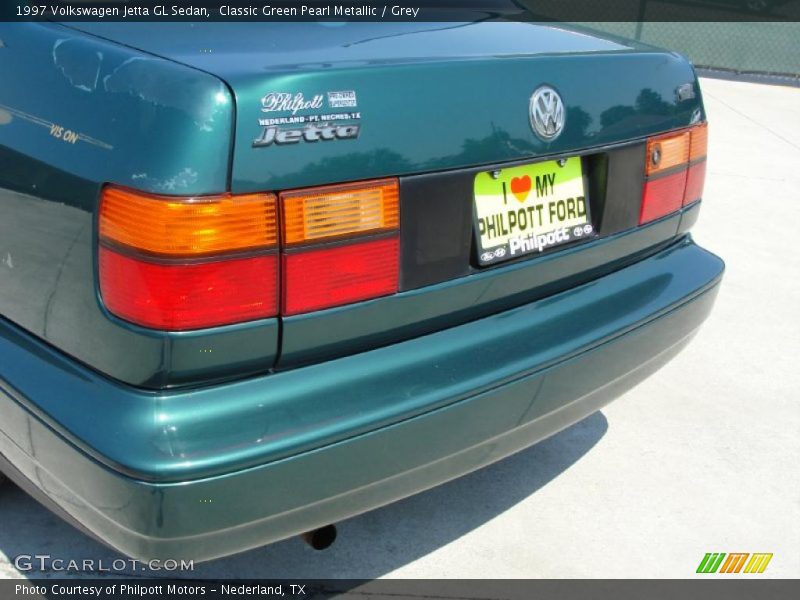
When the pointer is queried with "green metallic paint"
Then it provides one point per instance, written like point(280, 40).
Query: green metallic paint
point(178, 435)
point(50, 291)
point(689, 216)
point(437, 116)
point(111, 94)
point(49, 190)
point(271, 47)
point(423, 111)
point(495, 386)
point(115, 93)
point(138, 466)
point(433, 96)
point(353, 328)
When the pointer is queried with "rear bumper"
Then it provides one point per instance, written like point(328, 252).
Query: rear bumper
point(206, 473)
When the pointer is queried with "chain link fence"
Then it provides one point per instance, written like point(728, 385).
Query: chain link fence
point(763, 48)
point(746, 37)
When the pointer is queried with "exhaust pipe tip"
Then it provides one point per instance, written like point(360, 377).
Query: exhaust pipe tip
point(320, 539)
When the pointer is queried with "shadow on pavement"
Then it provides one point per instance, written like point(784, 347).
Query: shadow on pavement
point(368, 546)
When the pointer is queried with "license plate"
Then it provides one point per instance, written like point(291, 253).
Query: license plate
point(529, 209)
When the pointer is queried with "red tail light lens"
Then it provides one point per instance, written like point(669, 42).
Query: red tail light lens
point(173, 297)
point(662, 196)
point(695, 180)
point(326, 277)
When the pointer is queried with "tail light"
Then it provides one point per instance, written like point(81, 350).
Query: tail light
point(325, 277)
point(186, 263)
point(329, 212)
point(341, 244)
point(175, 296)
point(667, 152)
point(188, 226)
point(696, 175)
point(177, 263)
point(675, 172)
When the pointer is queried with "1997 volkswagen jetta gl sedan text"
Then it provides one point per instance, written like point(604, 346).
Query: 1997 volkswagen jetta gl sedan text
point(256, 279)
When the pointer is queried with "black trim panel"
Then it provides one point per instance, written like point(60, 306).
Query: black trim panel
point(623, 190)
point(436, 224)
point(436, 228)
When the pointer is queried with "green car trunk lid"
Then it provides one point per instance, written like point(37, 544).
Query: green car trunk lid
point(431, 99)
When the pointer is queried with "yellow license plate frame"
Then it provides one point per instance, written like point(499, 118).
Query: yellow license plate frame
point(530, 209)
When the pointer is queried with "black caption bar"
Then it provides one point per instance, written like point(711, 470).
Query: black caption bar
point(474, 589)
point(422, 10)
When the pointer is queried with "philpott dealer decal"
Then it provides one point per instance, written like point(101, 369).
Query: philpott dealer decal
point(292, 118)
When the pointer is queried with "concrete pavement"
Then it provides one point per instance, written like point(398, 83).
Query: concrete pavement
point(702, 457)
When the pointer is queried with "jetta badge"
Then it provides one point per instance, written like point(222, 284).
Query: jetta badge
point(547, 113)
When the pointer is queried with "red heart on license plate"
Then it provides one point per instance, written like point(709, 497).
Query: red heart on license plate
point(520, 187)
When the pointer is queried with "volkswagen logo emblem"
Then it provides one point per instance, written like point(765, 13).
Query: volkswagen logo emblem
point(547, 113)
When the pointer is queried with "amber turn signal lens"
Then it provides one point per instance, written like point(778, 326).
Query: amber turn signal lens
point(319, 213)
point(188, 226)
point(666, 152)
point(699, 145)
